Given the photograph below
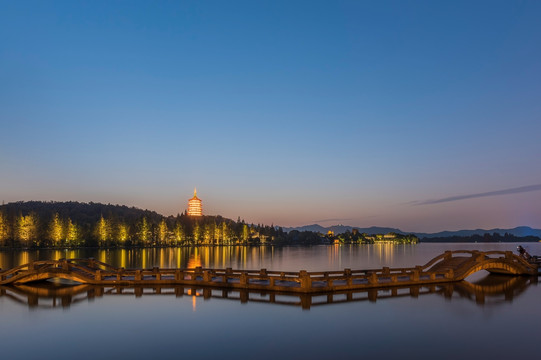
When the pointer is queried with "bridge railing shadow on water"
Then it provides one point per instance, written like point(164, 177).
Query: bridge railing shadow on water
point(489, 291)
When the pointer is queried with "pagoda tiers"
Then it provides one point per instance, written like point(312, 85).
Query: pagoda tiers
point(195, 206)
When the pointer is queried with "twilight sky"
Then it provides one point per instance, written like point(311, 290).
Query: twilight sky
point(421, 115)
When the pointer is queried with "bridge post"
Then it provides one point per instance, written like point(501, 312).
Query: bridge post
point(207, 276)
point(414, 275)
point(119, 274)
point(373, 279)
point(65, 265)
point(479, 256)
point(347, 274)
point(179, 275)
point(243, 279)
point(97, 276)
point(244, 296)
point(306, 301)
point(207, 293)
point(138, 275)
point(450, 274)
point(372, 295)
point(228, 271)
point(448, 255)
point(306, 281)
point(198, 271)
point(386, 271)
point(32, 300)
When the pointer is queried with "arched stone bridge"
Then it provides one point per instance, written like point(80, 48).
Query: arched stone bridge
point(448, 267)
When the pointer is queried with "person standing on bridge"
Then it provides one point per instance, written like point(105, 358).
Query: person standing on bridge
point(523, 253)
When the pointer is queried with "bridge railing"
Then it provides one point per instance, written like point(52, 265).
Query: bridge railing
point(94, 271)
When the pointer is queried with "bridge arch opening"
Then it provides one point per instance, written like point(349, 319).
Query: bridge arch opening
point(497, 268)
point(60, 281)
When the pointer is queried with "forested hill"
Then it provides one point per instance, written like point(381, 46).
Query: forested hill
point(38, 224)
point(81, 213)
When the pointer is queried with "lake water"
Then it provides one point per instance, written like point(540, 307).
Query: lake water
point(487, 317)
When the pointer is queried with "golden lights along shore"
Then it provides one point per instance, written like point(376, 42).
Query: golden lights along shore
point(195, 206)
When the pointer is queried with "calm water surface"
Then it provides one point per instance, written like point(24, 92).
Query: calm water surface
point(491, 317)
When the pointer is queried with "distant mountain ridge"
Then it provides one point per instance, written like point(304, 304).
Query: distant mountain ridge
point(339, 229)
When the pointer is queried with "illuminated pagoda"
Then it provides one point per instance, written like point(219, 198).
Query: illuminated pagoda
point(195, 206)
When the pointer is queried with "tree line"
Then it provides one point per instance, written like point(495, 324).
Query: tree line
point(487, 237)
point(74, 224)
point(36, 224)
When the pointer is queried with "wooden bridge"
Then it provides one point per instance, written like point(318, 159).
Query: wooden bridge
point(491, 291)
point(449, 267)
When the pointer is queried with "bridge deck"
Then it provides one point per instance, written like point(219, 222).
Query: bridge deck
point(448, 267)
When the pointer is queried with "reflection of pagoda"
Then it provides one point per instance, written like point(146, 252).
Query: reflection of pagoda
point(195, 206)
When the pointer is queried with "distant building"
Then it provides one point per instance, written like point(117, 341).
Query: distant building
point(195, 206)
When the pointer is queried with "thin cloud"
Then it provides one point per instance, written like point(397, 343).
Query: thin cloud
point(327, 220)
point(517, 190)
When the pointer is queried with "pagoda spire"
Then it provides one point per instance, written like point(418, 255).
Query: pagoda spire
point(194, 192)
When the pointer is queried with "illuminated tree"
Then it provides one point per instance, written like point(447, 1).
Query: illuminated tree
point(56, 230)
point(27, 229)
point(245, 232)
point(180, 234)
point(143, 232)
point(218, 233)
point(103, 230)
point(72, 233)
point(162, 231)
point(123, 232)
point(208, 233)
point(4, 229)
point(226, 233)
point(197, 233)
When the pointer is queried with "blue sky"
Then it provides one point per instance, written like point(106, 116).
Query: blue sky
point(282, 112)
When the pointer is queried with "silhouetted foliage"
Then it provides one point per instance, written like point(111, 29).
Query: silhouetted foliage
point(495, 237)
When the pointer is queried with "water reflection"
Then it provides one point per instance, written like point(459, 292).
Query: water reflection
point(314, 258)
point(238, 257)
point(489, 291)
